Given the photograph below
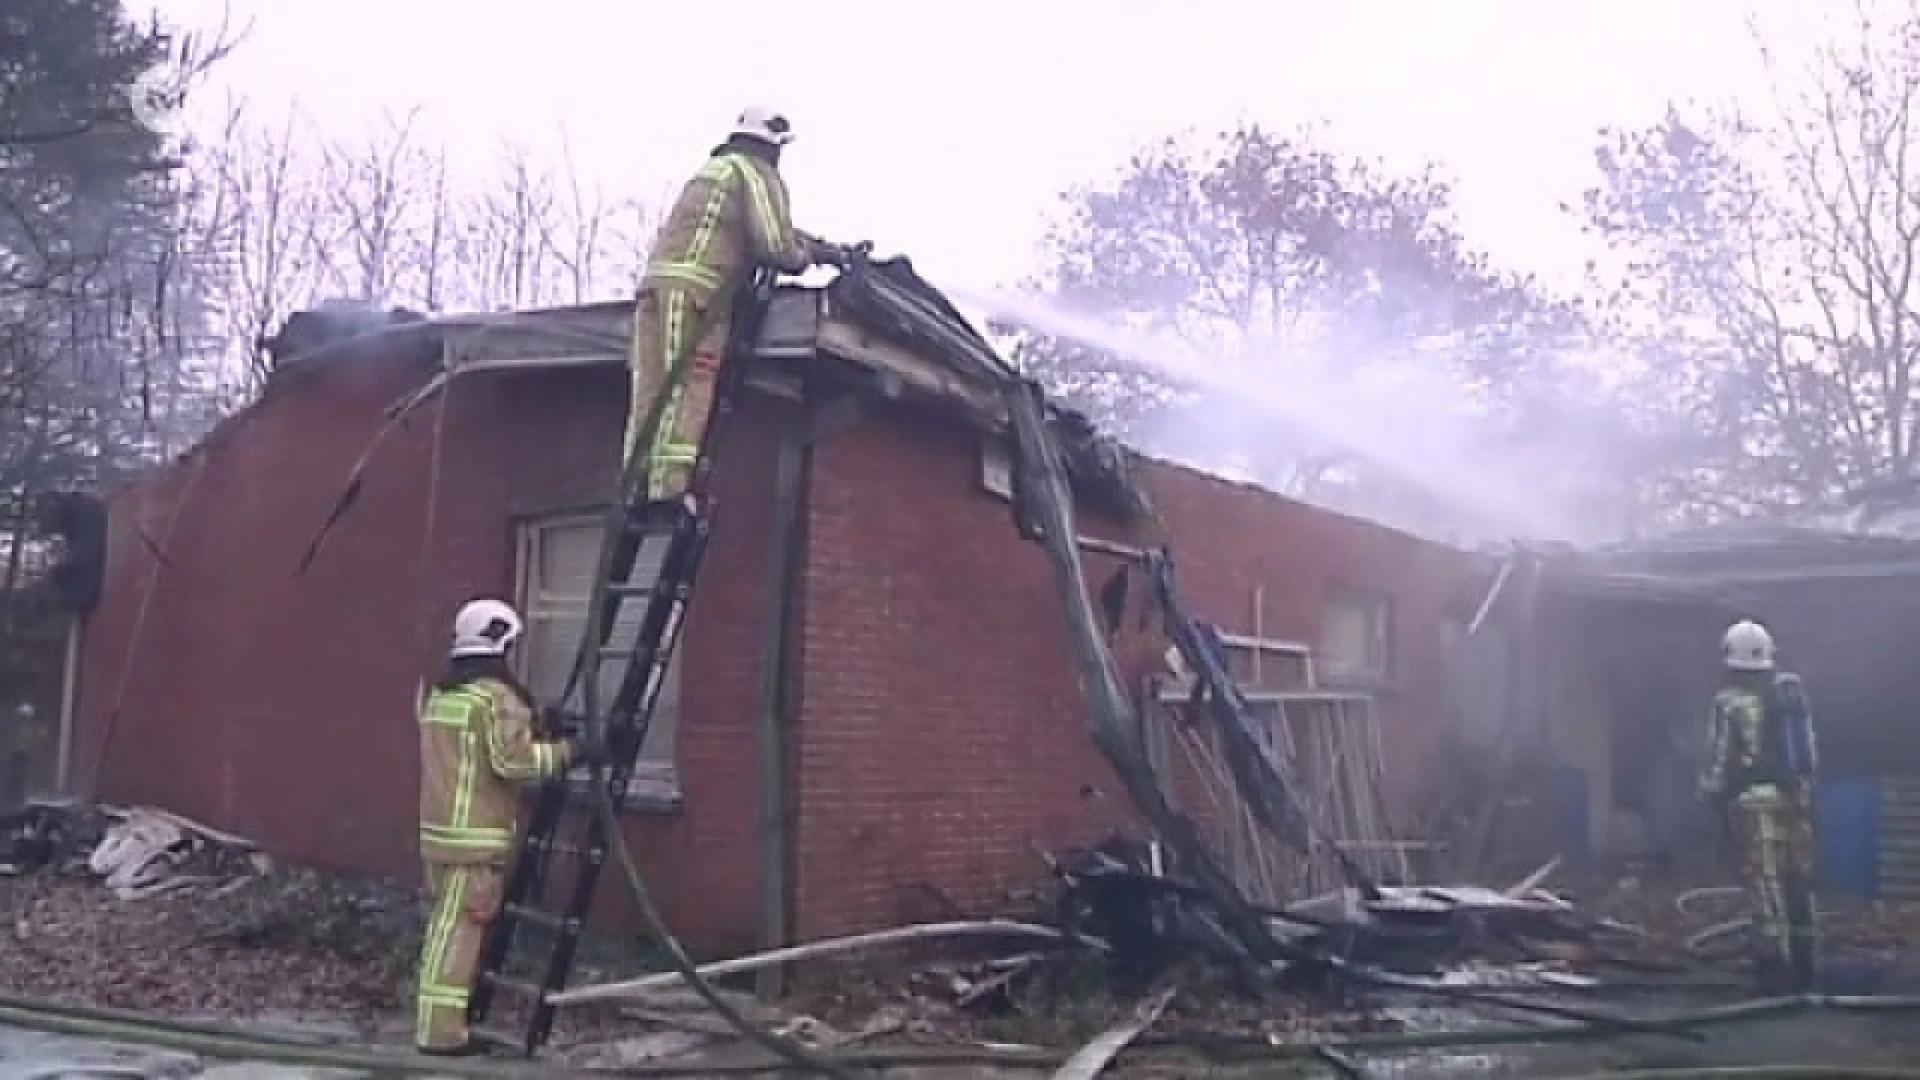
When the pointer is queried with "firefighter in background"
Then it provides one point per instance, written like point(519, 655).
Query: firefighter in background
point(477, 748)
point(1759, 770)
point(731, 219)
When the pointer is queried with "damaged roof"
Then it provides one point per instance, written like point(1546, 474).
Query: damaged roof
point(889, 329)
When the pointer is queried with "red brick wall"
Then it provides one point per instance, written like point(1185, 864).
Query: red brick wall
point(280, 707)
point(941, 729)
point(943, 734)
point(1227, 538)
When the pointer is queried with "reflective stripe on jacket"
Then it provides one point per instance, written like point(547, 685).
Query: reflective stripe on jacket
point(1743, 753)
point(732, 216)
point(477, 747)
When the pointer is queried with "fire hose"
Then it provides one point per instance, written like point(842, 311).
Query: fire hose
point(233, 1043)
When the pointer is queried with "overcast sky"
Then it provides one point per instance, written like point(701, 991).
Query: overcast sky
point(945, 130)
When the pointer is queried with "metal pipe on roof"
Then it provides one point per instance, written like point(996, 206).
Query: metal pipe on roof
point(1493, 594)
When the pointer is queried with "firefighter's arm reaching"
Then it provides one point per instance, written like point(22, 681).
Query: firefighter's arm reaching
point(770, 219)
point(1713, 758)
point(514, 752)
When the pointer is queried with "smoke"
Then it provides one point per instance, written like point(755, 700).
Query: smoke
point(1414, 420)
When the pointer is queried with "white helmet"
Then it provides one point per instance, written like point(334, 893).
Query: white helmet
point(485, 628)
point(763, 123)
point(1748, 647)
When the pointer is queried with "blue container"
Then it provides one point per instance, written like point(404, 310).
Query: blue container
point(1849, 816)
point(1573, 811)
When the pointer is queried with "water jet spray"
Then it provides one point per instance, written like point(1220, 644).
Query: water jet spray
point(1402, 430)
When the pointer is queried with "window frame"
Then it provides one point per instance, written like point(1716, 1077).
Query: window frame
point(996, 468)
point(656, 774)
point(1380, 612)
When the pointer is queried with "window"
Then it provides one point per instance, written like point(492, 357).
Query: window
point(558, 557)
point(1356, 638)
point(996, 468)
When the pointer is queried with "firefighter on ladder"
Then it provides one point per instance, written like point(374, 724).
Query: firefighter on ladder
point(729, 220)
point(1759, 772)
point(478, 746)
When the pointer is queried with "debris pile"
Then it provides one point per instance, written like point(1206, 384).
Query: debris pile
point(144, 909)
point(1126, 947)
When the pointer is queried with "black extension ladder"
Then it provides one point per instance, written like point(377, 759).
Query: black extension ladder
point(556, 917)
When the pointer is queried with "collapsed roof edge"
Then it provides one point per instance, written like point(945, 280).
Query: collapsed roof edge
point(885, 301)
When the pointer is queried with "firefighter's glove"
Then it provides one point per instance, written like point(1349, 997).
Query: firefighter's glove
point(558, 723)
point(824, 254)
point(589, 748)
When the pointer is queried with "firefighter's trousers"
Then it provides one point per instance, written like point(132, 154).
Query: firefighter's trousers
point(1775, 834)
point(667, 323)
point(462, 901)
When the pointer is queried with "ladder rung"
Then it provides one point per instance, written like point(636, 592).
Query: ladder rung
point(517, 986)
point(486, 1036)
point(583, 854)
point(541, 918)
point(685, 525)
point(555, 847)
point(658, 519)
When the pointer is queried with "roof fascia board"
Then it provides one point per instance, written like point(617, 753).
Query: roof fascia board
point(1835, 572)
point(849, 342)
point(504, 347)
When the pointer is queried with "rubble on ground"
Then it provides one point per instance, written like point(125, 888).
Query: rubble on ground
point(141, 909)
point(212, 928)
point(1472, 953)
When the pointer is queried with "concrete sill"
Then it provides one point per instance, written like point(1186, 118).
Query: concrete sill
point(650, 793)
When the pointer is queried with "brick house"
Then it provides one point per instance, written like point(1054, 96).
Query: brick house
point(934, 732)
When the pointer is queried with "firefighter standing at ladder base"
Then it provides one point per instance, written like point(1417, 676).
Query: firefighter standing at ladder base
point(729, 220)
point(1759, 772)
point(477, 747)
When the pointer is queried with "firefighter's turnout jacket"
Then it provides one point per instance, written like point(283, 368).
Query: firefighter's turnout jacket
point(1759, 767)
point(477, 747)
point(731, 218)
point(1758, 748)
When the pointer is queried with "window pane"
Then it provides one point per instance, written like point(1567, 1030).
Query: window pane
point(547, 654)
point(562, 558)
point(1354, 636)
point(565, 561)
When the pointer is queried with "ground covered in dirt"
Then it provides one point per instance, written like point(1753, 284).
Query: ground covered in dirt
point(237, 937)
point(287, 941)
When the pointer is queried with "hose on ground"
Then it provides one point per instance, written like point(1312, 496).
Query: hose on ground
point(234, 1044)
point(1698, 941)
point(1684, 903)
point(1761, 1073)
point(790, 1049)
point(237, 1044)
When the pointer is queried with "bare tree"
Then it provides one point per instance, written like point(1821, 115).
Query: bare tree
point(1767, 274)
point(542, 234)
point(259, 215)
point(383, 201)
point(1278, 264)
point(507, 231)
point(284, 219)
point(94, 298)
